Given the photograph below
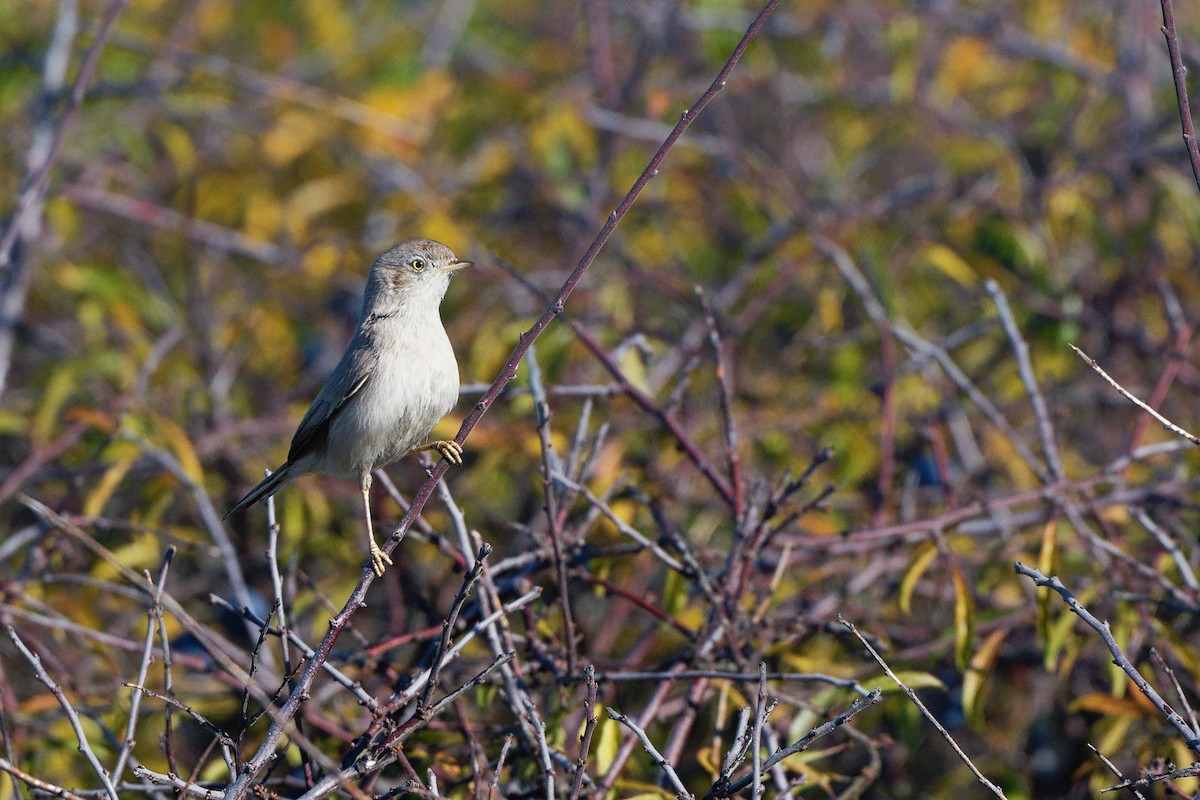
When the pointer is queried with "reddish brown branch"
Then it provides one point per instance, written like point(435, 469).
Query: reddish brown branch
point(1179, 73)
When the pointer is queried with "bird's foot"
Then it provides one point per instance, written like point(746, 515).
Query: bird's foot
point(378, 558)
point(448, 449)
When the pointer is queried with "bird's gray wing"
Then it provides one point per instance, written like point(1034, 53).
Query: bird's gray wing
point(351, 374)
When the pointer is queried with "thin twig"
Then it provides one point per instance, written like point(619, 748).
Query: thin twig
point(648, 746)
point(494, 785)
point(1153, 778)
point(1179, 74)
point(42, 157)
point(135, 700)
point(979, 776)
point(724, 372)
point(589, 727)
point(1166, 423)
point(1115, 771)
point(221, 736)
point(1190, 735)
point(550, 466)
point(800, 745)
point(188, 788)
point(423, 708)
point(285, 649)
point(760, 719)
point(84, 746)
point(1162, 664)
point(1025, 369)
point(1172, 547)
point(36, 783)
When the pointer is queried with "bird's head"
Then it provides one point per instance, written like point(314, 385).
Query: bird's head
point(412, 272)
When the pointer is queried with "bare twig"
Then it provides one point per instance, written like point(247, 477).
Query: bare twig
point(1025, 369)
point(1153, 778)
point(1162, 664)
point(1179, 74)
point(979, 776)
point(1115, 771)
point(1190, 735)
point(209, 516)
point(589, 727)
point(494, 785)
point(423, 708)
point(135, 701)
point(760, 718)
point(36, 783)
point(662, 763)
point(726, 675)
point(543, 746)
point(23, 223)
point(550, 467)
point(221, 736)
point(1172, 547)
point(723, 788)
point(724, 371)
point(159, 216)
point(188, 788)
point(1166, 423)
point(84, 747)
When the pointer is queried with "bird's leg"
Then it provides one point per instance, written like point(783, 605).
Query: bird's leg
point(448, 448)
point(378, 557)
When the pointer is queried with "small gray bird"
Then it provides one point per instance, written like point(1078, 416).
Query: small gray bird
point(396, 380)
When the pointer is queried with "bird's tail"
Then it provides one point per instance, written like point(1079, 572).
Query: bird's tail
point(267, 487)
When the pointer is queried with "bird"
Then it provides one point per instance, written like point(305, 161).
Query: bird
point(397, 378)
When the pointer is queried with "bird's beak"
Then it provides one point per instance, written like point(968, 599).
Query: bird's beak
point(455, 266)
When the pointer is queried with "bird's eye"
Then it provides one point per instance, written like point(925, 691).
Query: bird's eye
point(417, 264)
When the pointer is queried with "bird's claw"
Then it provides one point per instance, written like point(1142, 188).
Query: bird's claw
point(379, 559)
point(450, 450)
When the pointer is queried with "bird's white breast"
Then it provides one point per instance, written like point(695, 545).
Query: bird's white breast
point(413, 385)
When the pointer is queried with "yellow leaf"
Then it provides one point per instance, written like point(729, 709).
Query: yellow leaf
point(97, 499)
point(436, 224)
point(322, 260)
point(181, 447)
point(317, 197)
point(951, 264)
point(332, 28)
point(293, 133)
point(911, 679)
point(1058, 632)
point(11, 422)
point(563, 139)
point(143, 551)
point(925, 556)
point(263, 215)
point(964, 618)
point(965, 65)
point(709, 760)
point(634, 368)
point(977, 674)
point(605, 741)
point(1047, 565)
point(1122, 630)
point(1107, 704)
point(55, 393)
point(179, 146)
point(829, 309)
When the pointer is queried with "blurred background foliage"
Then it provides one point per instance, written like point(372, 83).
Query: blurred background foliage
point(236, 167)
